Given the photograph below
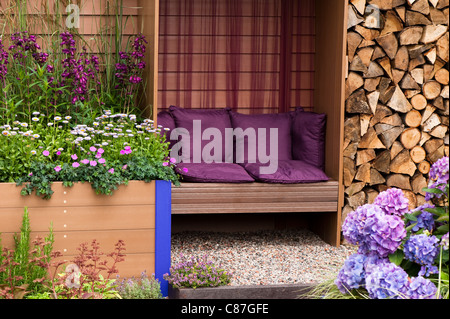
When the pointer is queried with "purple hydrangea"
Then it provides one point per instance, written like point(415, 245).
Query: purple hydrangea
point(422, 249)
point(393, 202)
point(387, 281)
point(421, 288)
point(438, 177)
point(444, 242)
point(375, 232)
point(352, 274)
point(425, 220)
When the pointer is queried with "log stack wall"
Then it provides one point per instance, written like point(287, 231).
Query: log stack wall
point(397, 97)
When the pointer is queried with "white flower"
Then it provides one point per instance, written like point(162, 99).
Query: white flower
point(68, 117)
point(35, 119)
point(57, 118)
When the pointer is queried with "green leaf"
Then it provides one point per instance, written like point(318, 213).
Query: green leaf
point(397, 257)
point(432, 190)
point(440, 211)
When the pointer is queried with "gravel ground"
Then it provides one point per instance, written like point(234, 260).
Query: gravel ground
point(265, 257)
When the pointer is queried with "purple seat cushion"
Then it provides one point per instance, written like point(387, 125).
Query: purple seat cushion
point(308, 138)
point(213, 173)
point(166, 120)
point(288, 172)
point(210, 118)
point(281, 121)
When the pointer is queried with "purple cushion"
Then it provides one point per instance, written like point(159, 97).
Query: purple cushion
point(166, 120)
point(288, 172)
point(210, 118)
point(213, 173)
point(281, 122)
point(308, 138)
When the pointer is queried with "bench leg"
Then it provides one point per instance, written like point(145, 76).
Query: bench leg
point(327, 226)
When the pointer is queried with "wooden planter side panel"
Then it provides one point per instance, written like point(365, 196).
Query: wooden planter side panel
point(79, 215)
point(397, 97)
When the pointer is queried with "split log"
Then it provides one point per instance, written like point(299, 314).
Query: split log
point(432, 33)
point(411, 35)
point(403, 164)
point(431, 90)
point(419, 102)
point(410, 137)
point(418, 154)
point(413, 118)
point(418, 182)
point(442, 76)
point(399, 102)
point(424, 167)
point(382, 162)
point(389, 44)
point(371, 140)
point(401, 60)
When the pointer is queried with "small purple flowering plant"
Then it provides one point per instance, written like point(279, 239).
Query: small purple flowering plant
point(195, 272)
point(402, 253)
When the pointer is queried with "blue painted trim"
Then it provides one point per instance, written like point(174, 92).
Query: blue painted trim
point(163, 230)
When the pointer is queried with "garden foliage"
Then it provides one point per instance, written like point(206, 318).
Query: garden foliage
point(58, 123)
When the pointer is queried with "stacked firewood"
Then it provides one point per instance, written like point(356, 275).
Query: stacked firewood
point(397, 97)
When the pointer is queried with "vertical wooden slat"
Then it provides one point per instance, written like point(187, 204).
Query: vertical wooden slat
point(149, 21)
point(331, 17)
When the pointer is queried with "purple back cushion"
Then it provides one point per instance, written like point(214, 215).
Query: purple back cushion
point(166, 120)
point(213, 173)
point(281, 122)
point(288, 172)
point(308, 138)
point(210, 118)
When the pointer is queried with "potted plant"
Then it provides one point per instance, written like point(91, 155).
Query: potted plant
point(73, 137)
point(191, 277)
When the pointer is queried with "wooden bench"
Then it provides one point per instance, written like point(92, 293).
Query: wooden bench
point(222, 198)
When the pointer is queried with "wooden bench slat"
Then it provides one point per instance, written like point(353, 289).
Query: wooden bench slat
point(285, 207)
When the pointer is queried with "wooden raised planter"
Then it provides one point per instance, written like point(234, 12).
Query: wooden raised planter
point(137, 213)
point(285, 291)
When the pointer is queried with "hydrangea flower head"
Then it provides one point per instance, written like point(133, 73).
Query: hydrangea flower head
point(352, 274)
point(444, 242)
point(387, 281)
point(421, 288)
point(392, 202)
point(375, 232)
point(425, 220)
point(422, 249)
point(438, 177)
